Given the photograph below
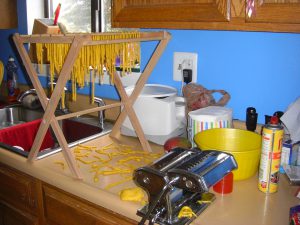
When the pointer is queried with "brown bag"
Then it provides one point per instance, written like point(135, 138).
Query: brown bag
point(199, 97)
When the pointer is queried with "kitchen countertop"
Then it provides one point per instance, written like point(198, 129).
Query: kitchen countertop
point(246, 205)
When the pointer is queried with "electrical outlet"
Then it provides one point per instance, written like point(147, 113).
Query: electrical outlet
point(184, 60)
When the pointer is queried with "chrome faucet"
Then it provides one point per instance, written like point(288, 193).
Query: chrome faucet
point(62, 108)
point(34, 103)
point(101, 114)
point(25, 93)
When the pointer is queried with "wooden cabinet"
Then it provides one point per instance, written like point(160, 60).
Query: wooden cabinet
point(10, 215)
point(247, 15)
point(8, 12)
point(156, 11)
point(62, 208)
point(25, 200)
point(274, 11)
point(19, 198)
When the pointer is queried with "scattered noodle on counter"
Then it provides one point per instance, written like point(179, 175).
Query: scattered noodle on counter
point(61, 163)
point(84, 161)
point(111, 160)
point(118, 183)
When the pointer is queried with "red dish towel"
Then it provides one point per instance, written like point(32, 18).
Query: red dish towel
point(24, 134)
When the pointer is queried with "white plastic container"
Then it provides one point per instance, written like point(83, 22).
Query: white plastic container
point(160, 111)
point(207, 118)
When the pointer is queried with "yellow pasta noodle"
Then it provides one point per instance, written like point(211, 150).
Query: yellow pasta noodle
point(96, 56)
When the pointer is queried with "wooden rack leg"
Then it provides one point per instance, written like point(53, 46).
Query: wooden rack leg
point(131, 114)
point(137, 90)
point(50, 106)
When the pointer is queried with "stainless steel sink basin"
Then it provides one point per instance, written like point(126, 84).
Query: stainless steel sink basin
point(16, 114)
point(76, 130)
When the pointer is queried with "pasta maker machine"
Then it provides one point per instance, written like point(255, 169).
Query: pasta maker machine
point(181, 178)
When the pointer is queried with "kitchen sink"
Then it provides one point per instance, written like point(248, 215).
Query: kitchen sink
point(17, 114)
point(19, 123)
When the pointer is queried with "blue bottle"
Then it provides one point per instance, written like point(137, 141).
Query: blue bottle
point(12, 84)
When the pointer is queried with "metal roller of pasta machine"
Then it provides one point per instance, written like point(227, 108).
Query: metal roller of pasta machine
point(181, 178)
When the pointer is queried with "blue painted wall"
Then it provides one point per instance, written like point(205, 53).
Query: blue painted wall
point(257, 68)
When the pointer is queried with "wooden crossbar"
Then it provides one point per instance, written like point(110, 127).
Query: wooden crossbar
point(68, 38)
point(77, 41)
point(87, 111)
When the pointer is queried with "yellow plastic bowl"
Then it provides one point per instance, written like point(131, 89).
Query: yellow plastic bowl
point(244, 145)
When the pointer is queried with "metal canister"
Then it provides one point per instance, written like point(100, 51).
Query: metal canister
point(272, 137)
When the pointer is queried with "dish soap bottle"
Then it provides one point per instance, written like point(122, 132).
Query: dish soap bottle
point(12, 84)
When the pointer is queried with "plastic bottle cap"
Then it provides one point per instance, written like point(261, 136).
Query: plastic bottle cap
point(274, 120)
point(251, 110)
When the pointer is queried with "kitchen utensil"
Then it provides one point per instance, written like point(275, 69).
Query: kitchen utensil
point(56, 13)
point(179, 179)
point(244, 145)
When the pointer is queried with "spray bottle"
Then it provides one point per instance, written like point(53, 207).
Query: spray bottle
point(272, 138)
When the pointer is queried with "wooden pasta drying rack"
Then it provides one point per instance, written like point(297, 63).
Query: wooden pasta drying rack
point(77, 41)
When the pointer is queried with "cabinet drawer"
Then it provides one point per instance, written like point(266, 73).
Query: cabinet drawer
point(62, 208)
point(12, 216)
point(17, 189)
point(247, 15)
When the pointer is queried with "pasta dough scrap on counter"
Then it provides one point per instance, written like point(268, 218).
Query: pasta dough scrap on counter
point(133, 194)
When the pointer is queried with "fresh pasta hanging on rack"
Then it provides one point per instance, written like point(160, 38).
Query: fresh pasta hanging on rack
point(101, 58)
